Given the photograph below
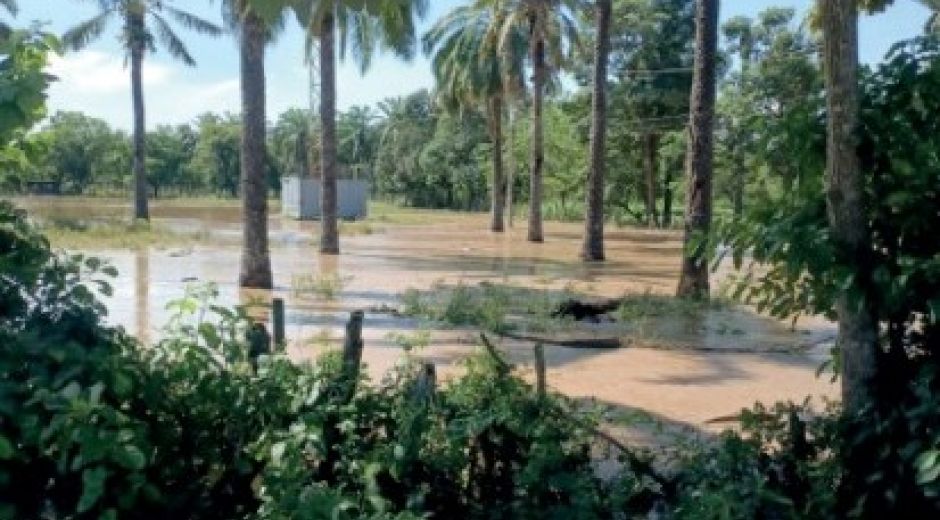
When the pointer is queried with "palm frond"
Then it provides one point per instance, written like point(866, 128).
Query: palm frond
point(171, 41)
point(191, 21)
point(78, 37)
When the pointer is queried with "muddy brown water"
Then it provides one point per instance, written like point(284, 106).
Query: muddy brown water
point(677, 375)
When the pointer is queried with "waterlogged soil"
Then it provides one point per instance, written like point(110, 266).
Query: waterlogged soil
point(682, 370)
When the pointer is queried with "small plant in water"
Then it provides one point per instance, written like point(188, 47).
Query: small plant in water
point(648, 305)
point(416, 340)
point(325, 287)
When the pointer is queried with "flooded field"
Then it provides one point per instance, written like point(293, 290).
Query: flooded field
point(685, 369)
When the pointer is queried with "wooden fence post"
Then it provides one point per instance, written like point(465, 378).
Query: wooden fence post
point(426, 384)
point(277, 319)
point(352, 351)
point(259, 343)
point(540, 371)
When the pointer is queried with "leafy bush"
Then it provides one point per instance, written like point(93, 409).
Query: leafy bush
point(802, 271)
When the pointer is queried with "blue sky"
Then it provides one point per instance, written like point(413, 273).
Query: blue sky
point(95, 81)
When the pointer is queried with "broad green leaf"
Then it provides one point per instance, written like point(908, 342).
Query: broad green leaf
point(93, 480)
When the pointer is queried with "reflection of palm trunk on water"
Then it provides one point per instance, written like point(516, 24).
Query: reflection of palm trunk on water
point(142, 293)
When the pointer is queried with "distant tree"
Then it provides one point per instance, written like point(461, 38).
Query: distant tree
point(170, 153)
point(292, 144)
point(452, 164)
point(218, 152)
point(652, 58)
point(78, 150)
point(551, 29)
point(364, 28)
point(406, 125)
point(357, 137)
point(474, 71)
point(144, 23)
point(776, 81)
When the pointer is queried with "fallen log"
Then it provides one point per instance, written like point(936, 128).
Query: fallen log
point(583, 310)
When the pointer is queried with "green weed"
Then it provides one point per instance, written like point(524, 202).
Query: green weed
point(325, 287)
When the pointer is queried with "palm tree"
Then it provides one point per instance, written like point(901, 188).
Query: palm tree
point(593, 248)
point(255, 22)
point(473, 70)
point(550, 30)
point(693, 281)
point(357, 137)
point(363, 27)
point(145, 22)
point(292, 142)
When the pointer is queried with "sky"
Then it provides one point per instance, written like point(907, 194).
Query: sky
point(97, 82)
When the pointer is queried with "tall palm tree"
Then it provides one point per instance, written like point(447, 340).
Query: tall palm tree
point(550, 28)
point(593, 248)
point(474, 70)
point(363, 28)
point(145, 22)
point(693, 281)
point(255, 22)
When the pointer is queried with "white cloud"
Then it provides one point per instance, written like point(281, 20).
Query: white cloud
point(101, 73)
point(98, 84)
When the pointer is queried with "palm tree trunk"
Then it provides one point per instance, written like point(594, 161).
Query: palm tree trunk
point(510, 165)
point(737, 195)
point(141, 211)
point(256, 259)
point(650, 159)
point(499, 182)
point(329, 234)
point(538, 141)
point(844, 196)
point(667, 196)
point(693, 281)
point(593, 247)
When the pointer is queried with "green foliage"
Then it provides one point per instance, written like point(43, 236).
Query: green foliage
point(79, 150)
point(326, 287)
point(782, 464)
point(484, 306)
point(170, 153)
point(217, 152)
point(802, 271)
point(24, 56)
point(481, 447)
